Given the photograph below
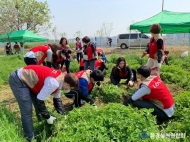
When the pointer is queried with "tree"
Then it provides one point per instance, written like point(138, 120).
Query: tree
point(100, 33)
point(78, 34)
point(64, 34)
point(55, 33)
point(24, 14)
point(107, 29)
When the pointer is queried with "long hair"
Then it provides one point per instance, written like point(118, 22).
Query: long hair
point(124, 69)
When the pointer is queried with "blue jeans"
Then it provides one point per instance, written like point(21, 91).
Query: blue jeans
point(89, 63)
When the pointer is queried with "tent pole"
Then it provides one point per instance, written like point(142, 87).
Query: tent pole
point(140, 40)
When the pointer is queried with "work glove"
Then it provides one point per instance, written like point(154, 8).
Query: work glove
point(50, 120)
point(130, 83)
point(128, 101)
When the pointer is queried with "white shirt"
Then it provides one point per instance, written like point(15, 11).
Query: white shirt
point(31, 54)
point(144, 90)
point(50, 85)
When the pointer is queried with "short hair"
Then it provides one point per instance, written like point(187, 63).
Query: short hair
point(155, 28)
point(97, 75)
point(144, 71)
point(72, 80)
point(61, 40)
point(86, 39)
point(77, 38)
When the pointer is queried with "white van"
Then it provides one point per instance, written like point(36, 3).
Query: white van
point(136, 40)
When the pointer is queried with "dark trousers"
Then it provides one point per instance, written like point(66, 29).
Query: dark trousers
point(31, 61)
point(79, 57)
point(67, 64)
point(160, 114)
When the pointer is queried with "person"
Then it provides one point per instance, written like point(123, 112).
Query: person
point(8, 49)
point(110, 41)
point(16, 48)
point(100, 65)
point(166, 57)
point(33, 84)
point(122, 71)
point(152, 93)
point(37, 55)
point(101, 53)
point(90, 54)
point(155, 50)
point(81, 65)
point(87, 79)
point(72, 90)
point(78, 49)
point(64, 47)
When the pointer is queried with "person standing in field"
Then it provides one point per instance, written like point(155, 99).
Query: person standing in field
point(16, 48)
point(155, 50)
point(154, 94)
point(37, 55)
point(8, 49)
point(33, 84)
point(64, 47)
point(78, 48)
point(90, 54)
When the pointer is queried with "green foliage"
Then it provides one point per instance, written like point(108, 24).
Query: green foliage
point(74, 66)
point(72, 45)
point(113, 122)
point(10, 126)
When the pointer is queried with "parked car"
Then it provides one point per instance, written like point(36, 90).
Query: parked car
point(135, 41)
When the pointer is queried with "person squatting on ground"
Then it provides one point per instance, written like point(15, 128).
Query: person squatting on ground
point(87, 80)
point(64, 47)
point(100, 65)
point(155, 50)
point(90, 54)
point(152, 93)
point(34, 84)
point(101, 53)
point(78, 49)
point(37, 55)
point(122, 71)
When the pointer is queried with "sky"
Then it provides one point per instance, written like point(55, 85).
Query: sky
point(87, 16)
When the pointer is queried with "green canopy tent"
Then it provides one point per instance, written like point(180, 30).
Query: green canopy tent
point(22, 36)
point(171, 22)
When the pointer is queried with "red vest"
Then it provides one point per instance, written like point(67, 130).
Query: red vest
point(43, 49)
point(122, 75)
point(159, 92)
point(153, 48)
point(98, 63)
point(99, 51)
point(78, 45)
point(90, 52)
point(42, 73)
point(82, 62)
point(80, 75)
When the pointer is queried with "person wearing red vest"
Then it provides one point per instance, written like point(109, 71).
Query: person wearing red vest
point(155, 50)
point(152, 93)
point(37, 55)
point(65, 56)
point(33, 84)
point(122, 71)
point(100, 65)
point(78, 48)
point(90, 54)
point(87, 79)
point(166, 57)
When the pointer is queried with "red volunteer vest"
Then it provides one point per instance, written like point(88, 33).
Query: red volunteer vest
point(90, 52)
point(42, 73)
point(159, 92)
point(78, 45)
point(41, 48)
point(99, 51)
point(153, 48)
point(122, 75)
point(80, 74)
point(98, 63)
